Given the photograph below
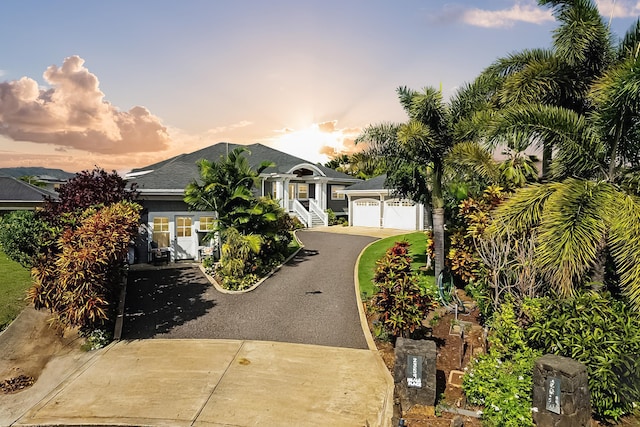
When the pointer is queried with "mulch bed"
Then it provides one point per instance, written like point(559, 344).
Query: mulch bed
point(455, 351)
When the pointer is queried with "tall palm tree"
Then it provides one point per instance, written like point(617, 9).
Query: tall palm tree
point(591, 123)
point(561, 77)
point(418, 147)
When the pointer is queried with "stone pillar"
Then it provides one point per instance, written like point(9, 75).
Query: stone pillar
point(415, 373)
point(560, 393)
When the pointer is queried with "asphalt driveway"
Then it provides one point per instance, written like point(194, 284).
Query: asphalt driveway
point(310, 300)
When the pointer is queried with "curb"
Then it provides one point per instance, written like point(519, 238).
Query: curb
point(220, 289)
point(387, 411)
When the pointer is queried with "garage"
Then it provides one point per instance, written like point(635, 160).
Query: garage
point(371, 204)
point(366, 213)
point(400, 214)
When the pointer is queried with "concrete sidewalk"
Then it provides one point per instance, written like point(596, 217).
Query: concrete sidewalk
point(221, 383)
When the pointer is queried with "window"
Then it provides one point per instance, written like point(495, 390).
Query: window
point(160, 235)
point(183, 226)
point(334, 192)
point(303, 191)
point(207, 223)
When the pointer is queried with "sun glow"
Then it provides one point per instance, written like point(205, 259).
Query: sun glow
point(318, 142)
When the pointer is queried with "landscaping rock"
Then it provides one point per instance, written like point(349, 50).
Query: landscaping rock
point(560, 393)
point(415, 373)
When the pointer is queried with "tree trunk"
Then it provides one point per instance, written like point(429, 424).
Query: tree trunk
point(437, 201)
point(546, 160)
point(438, 239)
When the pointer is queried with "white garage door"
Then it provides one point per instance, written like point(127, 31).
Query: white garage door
point(366, 213)
point(401, 214)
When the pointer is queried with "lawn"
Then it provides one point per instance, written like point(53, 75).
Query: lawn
point(367, 264)
point(14, 283)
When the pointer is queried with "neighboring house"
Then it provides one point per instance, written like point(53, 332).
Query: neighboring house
point(373, 205)
point(51, 178)
point(17, 195)
point(304, 189)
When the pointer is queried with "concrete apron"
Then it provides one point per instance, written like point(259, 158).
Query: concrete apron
point(221, 383)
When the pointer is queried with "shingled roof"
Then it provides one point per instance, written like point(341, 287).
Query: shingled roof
point(16, 194)
point(372, 184)
point(177, 172)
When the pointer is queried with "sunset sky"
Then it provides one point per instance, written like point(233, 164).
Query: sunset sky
point(122, 84)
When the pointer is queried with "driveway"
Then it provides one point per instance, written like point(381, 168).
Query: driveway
point(310, 300)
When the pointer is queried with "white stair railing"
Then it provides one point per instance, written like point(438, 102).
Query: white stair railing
point(317, 210)
point(303, 214)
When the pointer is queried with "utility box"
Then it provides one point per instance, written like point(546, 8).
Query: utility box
point(561, 395)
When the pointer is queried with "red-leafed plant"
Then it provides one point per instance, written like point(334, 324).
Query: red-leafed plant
point(86, 189)
point(401, 303)
point(79, 285)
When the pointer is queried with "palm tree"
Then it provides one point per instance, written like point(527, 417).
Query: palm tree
point(591, 123)
point(577, 222)
point(560, 77)
point(226, 188)
point(414, 153)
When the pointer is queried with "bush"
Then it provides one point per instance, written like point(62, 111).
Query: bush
point(333, 219)
point(502, 379)
point(599, 331)
point(23, 236)
point(400, 301)
point(238, 260)
point(80, 284)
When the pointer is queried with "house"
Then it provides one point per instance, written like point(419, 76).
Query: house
point(304, 189)
point(18, 195)
point(372, 204)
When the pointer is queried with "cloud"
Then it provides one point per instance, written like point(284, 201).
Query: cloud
point(2, 73)
point(328, 127)
point(284, 130)
point(223, 129)
point(505, 18)
point(72, 113)
point(618, 9)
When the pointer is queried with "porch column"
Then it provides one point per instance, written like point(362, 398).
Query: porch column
point(321, 194)
point(285, 194)
point(280, 192)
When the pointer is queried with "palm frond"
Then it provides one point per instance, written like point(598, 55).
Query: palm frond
point(475, 158)
point(574, 223)
point(578, 149)
point(630, 44)
point(624, 241)
point(583, 39)
point(516, 62)
point(523, 211)
point(617, 96)
point(418, 139)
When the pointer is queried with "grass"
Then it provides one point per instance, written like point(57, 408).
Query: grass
point(14, 282)
point(367, 264)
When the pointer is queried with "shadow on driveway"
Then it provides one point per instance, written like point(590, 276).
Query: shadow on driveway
point(310, 300)
point(160, 299)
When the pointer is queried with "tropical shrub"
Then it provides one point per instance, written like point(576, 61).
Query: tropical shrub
point(23, 235)
point(237, 267)
point(501, 380)
point(599, 331)
point(464, 261)
point(331, 215)
point(400, 301)
point(79, 285)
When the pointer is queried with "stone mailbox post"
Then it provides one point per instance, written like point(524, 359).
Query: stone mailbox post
point(560, 393)
point(415, 372)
